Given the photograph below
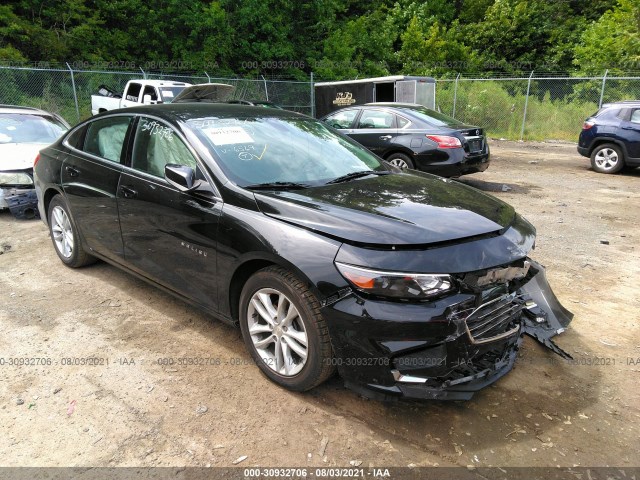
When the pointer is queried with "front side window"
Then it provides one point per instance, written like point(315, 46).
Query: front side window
point(156, 145)
point(105, 137)
point(133, 92)
point(375, 119)
point(341, 119)
point(258, 150)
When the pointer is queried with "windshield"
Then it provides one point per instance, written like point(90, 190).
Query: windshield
point(29, 128)
point(267, 150)
point(169, 93)
point(435, 118)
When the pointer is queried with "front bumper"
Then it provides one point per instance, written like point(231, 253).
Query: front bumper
point(21, 202)
point(391, 350)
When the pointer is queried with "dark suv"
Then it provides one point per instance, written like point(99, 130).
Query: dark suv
point(611, 137)
point(413, 136)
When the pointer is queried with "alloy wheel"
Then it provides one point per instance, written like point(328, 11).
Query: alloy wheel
point(607, 159)
point(62, 232)
point(398, 162)
point(277, 332)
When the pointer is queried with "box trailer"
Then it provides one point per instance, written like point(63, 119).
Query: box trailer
point(331, 96)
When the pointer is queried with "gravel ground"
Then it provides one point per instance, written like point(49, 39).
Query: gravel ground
point(128, 409)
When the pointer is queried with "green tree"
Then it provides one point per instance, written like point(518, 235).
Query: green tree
point(361, 47)
point(612, 42)
point(521, 35)
point(433, 52)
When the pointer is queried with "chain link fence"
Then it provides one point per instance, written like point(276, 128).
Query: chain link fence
point(532, 107)
point(68, 91)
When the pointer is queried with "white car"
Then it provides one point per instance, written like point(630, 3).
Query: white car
point(24, 131)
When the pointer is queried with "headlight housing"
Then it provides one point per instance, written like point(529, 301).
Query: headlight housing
point(408, 286)
point(15, 179)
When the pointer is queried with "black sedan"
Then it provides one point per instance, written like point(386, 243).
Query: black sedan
point(409, 284)
point(413, 136)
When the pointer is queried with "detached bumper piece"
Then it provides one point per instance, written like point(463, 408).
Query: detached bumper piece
point(481, 337)
point(24, 206)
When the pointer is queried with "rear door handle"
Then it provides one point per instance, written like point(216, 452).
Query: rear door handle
point(385, 137)
point(629, 127)
point(128, 192)
point(72, 171)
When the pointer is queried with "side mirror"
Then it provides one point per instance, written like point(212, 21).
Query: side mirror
point(181, 177)
point(147, 100)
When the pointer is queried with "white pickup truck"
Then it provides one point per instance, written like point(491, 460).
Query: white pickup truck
point(136, 92)
point(150, 92)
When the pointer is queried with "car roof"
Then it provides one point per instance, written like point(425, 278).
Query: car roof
point(621, 103)
point(395, 104)
point(162, 83)
point(191, 110)
point(25, 110)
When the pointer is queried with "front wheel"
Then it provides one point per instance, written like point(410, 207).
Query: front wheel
point(64, 235)
point(400, 160)
point(607, 158)
point(284, 331)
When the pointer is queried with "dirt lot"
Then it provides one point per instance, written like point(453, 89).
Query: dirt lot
point(136, 412)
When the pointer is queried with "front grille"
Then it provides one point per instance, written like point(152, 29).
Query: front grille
point(496, 319)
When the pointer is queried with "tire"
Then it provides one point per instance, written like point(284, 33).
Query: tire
point(607, 158)
point(400, 160)
point(278, 313)
point(64, 235)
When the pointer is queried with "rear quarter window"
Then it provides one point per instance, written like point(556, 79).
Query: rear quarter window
point(105, 137)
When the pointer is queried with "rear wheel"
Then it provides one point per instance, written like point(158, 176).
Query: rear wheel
point(607, 158)
point(400, 160)
point(64, 235)
point(284, 331)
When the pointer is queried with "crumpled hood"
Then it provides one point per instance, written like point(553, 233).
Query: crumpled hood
point(18, 156)
point(399, 209)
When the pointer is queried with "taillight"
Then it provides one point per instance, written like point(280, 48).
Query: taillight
point(36, 160)
point(445, 141)
point(587, 125)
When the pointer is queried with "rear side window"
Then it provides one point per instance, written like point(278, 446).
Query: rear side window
point(635, 116)
point(401, 121)
point(76, 139)
point(375, 119)
point(609, 113)
point(105, 137)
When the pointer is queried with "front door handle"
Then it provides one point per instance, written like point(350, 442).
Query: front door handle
point(73, 172)
point(385, 137)
point(128, 192)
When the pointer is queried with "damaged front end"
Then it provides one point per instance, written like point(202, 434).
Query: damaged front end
point(17, 193)
point(450, 348)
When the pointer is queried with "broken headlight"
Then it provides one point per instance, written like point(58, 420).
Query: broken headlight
point(15, 178)
point(399, 285)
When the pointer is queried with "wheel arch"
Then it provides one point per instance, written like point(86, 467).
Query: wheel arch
point(46, 199)
point(252, 264)
point(399, 149)
point(602, 140)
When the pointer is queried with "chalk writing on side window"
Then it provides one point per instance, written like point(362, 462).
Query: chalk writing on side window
point(154, 128)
